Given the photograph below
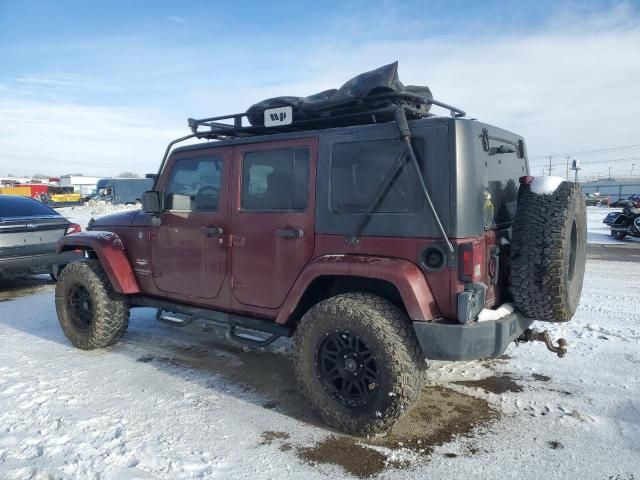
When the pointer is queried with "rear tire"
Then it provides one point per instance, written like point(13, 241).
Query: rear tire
point(91, 314)
point(362, 340)
point(548, 252)
point(618, 235)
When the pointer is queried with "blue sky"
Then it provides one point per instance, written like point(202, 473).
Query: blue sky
point(107, 84)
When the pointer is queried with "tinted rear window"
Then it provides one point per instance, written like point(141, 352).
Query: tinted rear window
point(359, 168)
point(16, 206)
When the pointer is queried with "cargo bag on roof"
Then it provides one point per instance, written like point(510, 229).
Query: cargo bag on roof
point(378, 88)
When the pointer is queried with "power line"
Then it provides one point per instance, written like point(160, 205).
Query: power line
point(597, 151)
point(592, 162)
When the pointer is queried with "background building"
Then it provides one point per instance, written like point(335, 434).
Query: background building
point(616, 188)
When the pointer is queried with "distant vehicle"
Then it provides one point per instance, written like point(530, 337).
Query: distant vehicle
point(610, 218)
point(594, 199)
point(54, 196)
point(626, 223)
point(118, 191)
point(29, 232)
point(634, 199)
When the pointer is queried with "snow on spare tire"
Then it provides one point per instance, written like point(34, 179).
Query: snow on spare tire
point(548, 249)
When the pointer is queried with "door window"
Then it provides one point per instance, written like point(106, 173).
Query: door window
point(195, 184)
point(275, 180)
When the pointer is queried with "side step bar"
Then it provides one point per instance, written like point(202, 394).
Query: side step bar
point(179, 314)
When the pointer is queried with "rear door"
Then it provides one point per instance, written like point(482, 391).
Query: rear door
point(272, 222)
point(188, 248)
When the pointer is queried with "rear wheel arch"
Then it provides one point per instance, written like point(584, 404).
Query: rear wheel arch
point(396, 280)
point(327, 286)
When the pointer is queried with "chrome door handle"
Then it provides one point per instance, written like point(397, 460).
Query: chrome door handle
point(289, 233)
point(212, 230)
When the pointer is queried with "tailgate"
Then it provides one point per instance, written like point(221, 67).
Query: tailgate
point(504, 157)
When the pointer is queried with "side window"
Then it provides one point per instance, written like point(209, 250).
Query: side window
point(275, 180)
point(359, 168)
point(195, 184)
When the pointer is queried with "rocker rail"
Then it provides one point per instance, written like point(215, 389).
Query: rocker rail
point(230, 320)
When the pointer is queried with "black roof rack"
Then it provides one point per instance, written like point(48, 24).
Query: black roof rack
point(371, 109)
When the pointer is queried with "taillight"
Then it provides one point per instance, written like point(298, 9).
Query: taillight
point(471, 260)
point(73, 228)
point(526, 180)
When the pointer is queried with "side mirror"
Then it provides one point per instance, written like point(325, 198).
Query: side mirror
point(150, 175)
point(151, 202)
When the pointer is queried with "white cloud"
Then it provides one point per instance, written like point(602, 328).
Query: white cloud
point(57, 138)
point(569, 85)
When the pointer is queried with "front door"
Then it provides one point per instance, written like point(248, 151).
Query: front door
point(189, 252)
point(272, 222)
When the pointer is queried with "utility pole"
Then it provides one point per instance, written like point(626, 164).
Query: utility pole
point(632, 165)
point(567, 175)
point(550, 157)
point(575, 166)
point(609, 173)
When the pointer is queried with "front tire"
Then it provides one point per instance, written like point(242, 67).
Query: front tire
point(618, 235)
point(358, 362)
point(91, 314)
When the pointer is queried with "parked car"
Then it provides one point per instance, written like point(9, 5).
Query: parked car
point(29, 232)
point(122, 191)
point(595, 200)
point(375, 233)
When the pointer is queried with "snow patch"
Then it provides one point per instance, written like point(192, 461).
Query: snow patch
point(487, 315)
point(545, 185)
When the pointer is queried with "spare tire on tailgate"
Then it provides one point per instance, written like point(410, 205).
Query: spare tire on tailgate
point(548, 251)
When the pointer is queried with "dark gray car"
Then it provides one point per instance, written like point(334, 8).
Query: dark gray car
point(29, 232)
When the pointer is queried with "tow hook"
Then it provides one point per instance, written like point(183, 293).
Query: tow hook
point(530, 335)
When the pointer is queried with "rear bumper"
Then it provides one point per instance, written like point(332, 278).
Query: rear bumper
point(44, 263)
point(450, 340)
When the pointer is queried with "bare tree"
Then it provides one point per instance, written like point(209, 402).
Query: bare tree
point(128, 175)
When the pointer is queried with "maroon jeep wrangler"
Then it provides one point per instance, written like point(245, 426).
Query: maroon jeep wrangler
point(375, 233)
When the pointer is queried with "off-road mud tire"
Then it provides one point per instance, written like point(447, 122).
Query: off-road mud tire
point(548, 252)
point(109, 311)
point(388, 332)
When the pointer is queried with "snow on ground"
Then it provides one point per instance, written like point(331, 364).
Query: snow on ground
point(182, 403)
point(81, 214)
point(598, 232)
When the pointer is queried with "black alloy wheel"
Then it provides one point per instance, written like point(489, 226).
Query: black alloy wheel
point(347, 368)
point(80, 306)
